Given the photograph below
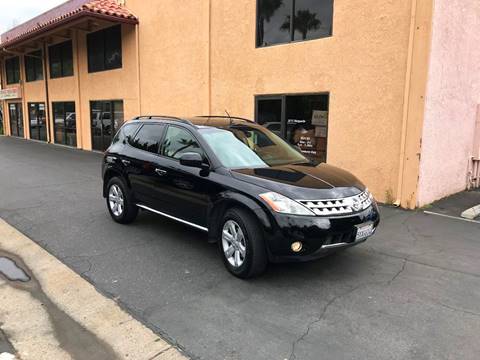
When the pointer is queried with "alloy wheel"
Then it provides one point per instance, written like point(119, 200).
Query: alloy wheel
point(233, 243)
point(116, 200)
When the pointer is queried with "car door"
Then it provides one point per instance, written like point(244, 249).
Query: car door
point(187, 190)
point(142, 163)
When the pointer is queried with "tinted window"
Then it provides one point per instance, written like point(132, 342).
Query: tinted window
point(178, 142)
point(148, 138)
point(312, 19)
point(105, 49)
point(61, 60)
point(34, 66)
point(65, 123)
point(12, 69)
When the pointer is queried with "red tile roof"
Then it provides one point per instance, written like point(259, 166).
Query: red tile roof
point(73, 9)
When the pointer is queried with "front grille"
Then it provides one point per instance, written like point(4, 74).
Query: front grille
point(343, 206)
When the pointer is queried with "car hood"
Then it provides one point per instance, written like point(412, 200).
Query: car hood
point(303, 181)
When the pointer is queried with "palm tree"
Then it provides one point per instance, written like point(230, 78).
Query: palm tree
point(304, 22)
point(266, 9)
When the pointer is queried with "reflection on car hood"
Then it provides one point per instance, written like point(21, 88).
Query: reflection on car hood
point(303, 181)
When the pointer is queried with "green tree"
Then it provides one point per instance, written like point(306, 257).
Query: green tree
point(303, 22)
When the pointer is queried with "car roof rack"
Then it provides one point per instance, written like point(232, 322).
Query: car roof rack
point(162, 117)
point(224, 117)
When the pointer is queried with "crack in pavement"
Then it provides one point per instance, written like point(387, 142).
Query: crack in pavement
point(402, 269)
point(337, 297)
point(320, 318)
point(455, 309)
point(408, 259)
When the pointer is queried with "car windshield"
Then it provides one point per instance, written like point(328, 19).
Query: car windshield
point(245, 146)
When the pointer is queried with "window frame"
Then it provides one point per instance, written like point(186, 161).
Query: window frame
point(62, 60)
point(14, 80)
point(32, 59)
point(292, 34)
point(103, 35)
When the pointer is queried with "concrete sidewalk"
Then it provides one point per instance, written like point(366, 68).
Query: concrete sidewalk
point(50, 312)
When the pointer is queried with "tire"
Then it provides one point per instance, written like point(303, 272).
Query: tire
point(252, 255)
point(119, 193)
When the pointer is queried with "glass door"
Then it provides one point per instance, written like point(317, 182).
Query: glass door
point(38, 122)
point(106, 118)
point(16, 119)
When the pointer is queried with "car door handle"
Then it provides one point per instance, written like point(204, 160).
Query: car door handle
point(161, 172)
point(126, 162)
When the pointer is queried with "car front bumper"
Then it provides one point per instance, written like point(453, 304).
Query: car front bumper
point(320, 236)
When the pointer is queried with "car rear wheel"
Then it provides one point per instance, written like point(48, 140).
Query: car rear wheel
point(119, 202)
point(241, 244)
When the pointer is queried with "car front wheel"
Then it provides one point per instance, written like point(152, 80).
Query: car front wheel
point(119, 202)
point(242, 245)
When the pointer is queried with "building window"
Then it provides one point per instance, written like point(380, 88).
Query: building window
point(12, 70)
point(65, 123)
point(105, 49)
point(61, 60)
point(302, 120)
point(15, 114)
point(34, 66)
point(283, 21)
point(38, 122)
point(106, 118)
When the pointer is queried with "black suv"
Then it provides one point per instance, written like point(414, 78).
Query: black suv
point(257, 196)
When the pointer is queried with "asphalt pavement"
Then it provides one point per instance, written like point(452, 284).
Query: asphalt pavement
point(410, 292)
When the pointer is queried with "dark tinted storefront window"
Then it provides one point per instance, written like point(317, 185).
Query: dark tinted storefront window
point(34, 66)
point(312, 19)
point(105, 49)
point(106, 118)
point(15, 114)
point(300, 119)
point(38, 121)
point(65, 123)
point(61, 60)
point(12, 70)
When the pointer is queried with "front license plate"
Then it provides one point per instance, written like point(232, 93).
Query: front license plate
point(364, 231)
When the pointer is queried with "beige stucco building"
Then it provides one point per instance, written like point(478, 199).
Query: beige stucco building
point(365, 85)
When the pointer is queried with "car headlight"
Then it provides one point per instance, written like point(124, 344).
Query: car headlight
point(284, 205)
point(370, 195)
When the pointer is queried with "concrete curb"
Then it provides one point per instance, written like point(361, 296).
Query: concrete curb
point(471, 213)
point(56, 314)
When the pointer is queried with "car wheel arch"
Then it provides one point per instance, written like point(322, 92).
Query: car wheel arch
point(109, 174)
point(232, 200)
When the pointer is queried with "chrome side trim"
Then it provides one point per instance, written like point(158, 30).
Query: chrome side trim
point(173, 218)
point(339, 245)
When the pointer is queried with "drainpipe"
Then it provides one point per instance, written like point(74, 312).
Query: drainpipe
point(209, 57)
point(47, 97)
point(406, 101)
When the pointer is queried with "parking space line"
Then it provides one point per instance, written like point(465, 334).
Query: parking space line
point(451, 217)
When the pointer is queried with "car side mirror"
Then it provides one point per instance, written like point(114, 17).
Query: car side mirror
point(192, 159)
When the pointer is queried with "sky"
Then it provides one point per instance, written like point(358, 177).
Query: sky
point(15, 12)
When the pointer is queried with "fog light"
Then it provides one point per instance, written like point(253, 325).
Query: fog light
point(297, 246)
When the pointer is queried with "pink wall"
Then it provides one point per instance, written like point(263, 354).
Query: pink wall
point(453, 93)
